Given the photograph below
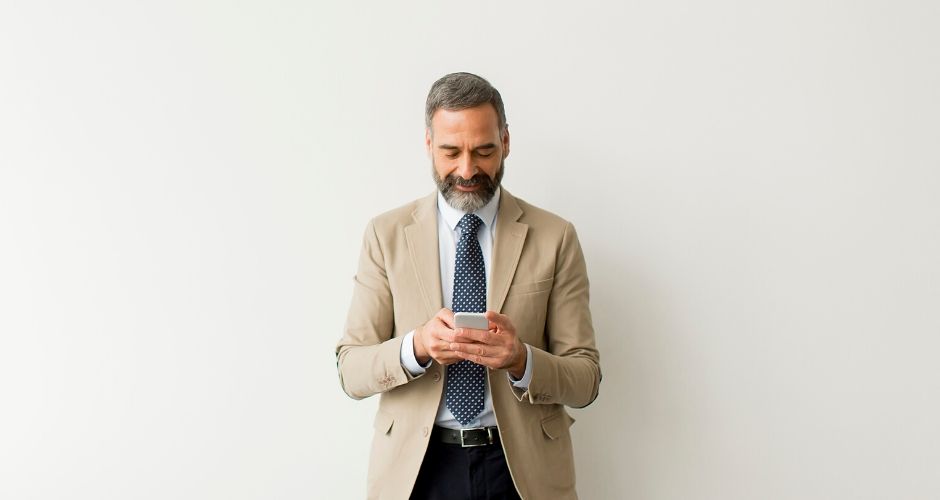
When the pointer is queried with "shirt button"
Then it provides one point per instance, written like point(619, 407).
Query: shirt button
point(424, 431)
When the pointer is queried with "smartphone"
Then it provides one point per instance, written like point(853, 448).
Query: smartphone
point(471, 320)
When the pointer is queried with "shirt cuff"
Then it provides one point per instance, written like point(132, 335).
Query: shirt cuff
point(526, 379)
point(408, 359)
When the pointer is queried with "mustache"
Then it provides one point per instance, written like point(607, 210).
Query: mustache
point(453, 180)
point(483, 188)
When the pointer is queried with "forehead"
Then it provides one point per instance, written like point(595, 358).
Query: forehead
point(479, 121)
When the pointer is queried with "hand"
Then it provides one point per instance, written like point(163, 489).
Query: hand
point(496, 348)
point(432, 340)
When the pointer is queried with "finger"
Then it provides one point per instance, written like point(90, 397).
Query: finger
point(447, 335)
point(448, 359)
point(494, 357)
point(442, 353)
point(472, 335)
point(499, 321)
point(480, 360)
point(432, 344)
point(447, 317)
point(475, 348)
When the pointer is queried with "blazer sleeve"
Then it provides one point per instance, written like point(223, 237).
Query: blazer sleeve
point(568, 372)
point(368, 358)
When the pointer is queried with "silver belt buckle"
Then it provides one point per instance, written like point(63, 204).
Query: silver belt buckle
point(489, 437)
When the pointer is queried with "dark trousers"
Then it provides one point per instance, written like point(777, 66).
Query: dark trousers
point(450, 472)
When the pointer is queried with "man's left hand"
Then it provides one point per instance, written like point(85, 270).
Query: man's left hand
point(496, 348)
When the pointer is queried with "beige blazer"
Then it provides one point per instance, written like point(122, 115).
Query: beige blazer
point(538, 279)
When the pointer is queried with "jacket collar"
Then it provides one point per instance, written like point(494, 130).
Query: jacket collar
point(508, 240)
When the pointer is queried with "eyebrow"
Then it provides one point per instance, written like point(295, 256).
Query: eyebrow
point(488, 145)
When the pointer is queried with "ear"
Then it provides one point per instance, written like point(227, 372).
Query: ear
point(427, 140)
point(505, 139)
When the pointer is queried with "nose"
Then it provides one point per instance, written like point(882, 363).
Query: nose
point(466, 167)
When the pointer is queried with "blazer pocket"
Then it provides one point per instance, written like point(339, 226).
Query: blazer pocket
point(554, 426)
point(383, 421)
point(534, 287)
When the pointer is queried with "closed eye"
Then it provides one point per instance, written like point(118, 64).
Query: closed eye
point(485, 150)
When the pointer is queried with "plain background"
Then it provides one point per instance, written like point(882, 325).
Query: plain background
point(184, 186)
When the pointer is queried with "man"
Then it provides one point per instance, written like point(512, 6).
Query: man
point(467, 413)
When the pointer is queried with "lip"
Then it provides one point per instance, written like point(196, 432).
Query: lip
point(467, 189)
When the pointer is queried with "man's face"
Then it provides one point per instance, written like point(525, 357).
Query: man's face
point(467, 152)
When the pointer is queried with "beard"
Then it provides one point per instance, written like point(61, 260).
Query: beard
point(468, 201)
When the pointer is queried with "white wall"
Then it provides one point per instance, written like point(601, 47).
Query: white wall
point(183, 187)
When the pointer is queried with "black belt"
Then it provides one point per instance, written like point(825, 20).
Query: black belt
point(479, 436)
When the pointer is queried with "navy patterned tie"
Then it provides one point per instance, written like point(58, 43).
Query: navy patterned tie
point(463, 392)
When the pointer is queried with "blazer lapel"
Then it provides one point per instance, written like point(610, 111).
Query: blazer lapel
point(507, 247)
point(425, 257)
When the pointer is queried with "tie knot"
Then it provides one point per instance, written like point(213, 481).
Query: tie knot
point(470, 224)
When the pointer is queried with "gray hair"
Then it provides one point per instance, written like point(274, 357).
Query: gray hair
point(458, 91)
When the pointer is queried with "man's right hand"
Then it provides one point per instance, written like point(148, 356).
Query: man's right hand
point(430, 339)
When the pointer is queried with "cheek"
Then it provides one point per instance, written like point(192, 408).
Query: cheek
point(441, 167)
point(492, 165)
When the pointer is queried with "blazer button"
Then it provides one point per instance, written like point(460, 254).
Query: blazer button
point(436, 377)
point(424, 431)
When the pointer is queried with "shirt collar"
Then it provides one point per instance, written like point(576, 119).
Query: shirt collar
point(452, 216)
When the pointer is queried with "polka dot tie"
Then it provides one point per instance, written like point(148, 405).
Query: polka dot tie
point(463, 392)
